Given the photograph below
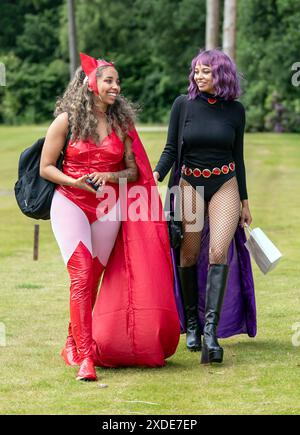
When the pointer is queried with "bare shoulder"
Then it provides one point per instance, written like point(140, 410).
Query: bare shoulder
point(60, 123)
point(57, 133)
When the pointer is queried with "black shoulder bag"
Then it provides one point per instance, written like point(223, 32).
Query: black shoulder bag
point(33, 193)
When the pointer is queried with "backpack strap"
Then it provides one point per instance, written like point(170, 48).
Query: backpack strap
point(68, 137)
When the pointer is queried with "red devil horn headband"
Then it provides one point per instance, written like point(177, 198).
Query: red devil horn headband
point(89, 66)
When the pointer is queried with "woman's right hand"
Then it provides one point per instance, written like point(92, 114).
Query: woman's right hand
point(156, 176)
point(82, 184)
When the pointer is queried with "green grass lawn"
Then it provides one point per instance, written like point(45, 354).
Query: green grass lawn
point(259, 376)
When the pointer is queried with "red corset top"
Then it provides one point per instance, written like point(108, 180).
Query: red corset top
point(84, 157)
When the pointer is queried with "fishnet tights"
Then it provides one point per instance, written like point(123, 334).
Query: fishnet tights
point(223, 211)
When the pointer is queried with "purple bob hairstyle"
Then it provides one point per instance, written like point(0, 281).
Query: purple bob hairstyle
point(226, 80)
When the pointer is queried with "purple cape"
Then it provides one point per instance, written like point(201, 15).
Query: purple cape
point(238, 315)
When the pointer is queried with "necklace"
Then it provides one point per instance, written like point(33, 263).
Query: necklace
point(210, 98)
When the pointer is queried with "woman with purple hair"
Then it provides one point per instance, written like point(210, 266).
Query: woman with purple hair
point(205, 148)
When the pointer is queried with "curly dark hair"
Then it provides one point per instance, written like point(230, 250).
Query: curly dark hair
point(79, 102)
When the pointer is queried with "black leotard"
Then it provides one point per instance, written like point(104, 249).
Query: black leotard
point(212, 137)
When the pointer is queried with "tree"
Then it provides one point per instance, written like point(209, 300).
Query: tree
point(229, 28)
point(72, 37)
point(35, 72)
point(152, 44)
point(268, 45)
point(212, 24)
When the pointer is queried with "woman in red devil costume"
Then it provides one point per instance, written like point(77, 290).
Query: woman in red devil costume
point(133, 320)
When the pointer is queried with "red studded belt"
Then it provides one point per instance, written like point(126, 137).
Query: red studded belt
point(206, 173)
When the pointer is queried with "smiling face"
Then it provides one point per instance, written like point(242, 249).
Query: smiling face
point(203, 78)
point(108, 85)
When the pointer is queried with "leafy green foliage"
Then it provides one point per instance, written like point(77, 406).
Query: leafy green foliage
point(152, 43)
point(268, 46)
point(35, 73)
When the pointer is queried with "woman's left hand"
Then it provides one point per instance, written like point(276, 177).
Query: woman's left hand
point(245, 216)
point(100, 178)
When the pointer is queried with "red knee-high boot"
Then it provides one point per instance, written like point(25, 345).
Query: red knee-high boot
point(97, 273)
point(80, 268)
point(69, 352)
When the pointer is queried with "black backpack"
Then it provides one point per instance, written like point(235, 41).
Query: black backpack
point(33, 193)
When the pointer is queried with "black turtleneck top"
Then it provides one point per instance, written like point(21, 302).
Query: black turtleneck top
point(212, 136)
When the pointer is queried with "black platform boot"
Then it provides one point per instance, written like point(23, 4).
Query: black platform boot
point(189, 287)
point(215, 289)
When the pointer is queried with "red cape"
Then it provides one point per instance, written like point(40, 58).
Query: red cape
point(135, 320)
